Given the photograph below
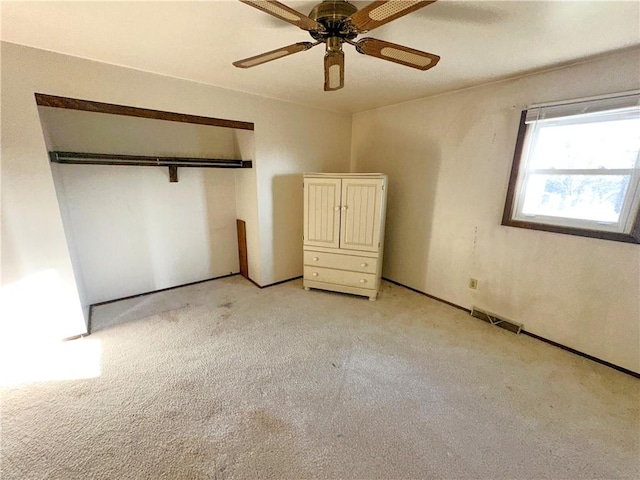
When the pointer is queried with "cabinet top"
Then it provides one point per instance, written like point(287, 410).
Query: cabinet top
point(317, 174)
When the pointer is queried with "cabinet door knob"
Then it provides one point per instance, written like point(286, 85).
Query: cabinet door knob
point(315, 274)
point(344, 207)
point(362, 280)
point(337, 208)
point(315, 259)
point(364, 264)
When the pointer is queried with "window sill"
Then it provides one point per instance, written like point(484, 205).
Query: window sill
point(633, 237)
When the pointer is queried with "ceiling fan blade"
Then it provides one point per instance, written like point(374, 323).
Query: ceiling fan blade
point(333, 71)
point(397, 53)
point(381, 12)
point(280, 10)
point(273, 55)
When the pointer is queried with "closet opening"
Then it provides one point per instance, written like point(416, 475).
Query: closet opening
point(138, 229)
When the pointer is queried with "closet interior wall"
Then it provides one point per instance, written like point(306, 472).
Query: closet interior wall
point(129, 230)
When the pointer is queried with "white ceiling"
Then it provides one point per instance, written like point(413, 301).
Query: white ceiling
point(479, 41)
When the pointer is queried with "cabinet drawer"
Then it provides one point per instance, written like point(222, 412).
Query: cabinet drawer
point(342, 262)
point(340, 277)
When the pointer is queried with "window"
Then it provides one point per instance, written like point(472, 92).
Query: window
point(576, 169)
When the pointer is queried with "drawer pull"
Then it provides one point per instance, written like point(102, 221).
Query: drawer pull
point(364, 264)
point(362, 280)
point(315, 274)
point(315, 259)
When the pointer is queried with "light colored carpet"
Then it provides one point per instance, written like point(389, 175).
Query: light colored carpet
point(222, 380)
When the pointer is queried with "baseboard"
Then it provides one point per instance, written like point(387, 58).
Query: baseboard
point(428, 295)
point(275, 283)
point(582, 354)
point(106, 302)
point(75, 337)
point(532, 335)
point(254, 282)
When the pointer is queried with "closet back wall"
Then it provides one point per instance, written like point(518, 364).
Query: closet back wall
point(128, 229)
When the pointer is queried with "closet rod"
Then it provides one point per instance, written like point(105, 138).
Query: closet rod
point(145, 160)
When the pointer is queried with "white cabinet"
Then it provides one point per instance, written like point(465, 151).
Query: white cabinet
point(344, 231)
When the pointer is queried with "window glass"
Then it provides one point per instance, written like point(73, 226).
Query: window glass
point(612, 144)
point(587, 197)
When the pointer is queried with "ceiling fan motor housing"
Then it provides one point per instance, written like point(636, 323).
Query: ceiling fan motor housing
point(332, 15)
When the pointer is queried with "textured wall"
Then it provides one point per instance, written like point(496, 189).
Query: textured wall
point(448, 159)
point(131, 231)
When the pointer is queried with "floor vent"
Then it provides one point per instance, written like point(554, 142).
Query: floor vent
point(496, 320)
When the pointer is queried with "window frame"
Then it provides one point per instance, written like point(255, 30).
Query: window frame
point(510, 209)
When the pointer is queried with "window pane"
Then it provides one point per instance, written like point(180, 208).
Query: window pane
point(611, 144)
point(597, 198)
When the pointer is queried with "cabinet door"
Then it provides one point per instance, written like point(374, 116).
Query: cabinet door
point(322, 212)
point(361, 214)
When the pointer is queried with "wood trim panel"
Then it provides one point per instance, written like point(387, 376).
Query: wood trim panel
point(515, 169)
point(580, 232)
point(242, 248)
point(44, 100)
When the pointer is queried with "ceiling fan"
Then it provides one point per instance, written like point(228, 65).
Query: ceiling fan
point(334, 22)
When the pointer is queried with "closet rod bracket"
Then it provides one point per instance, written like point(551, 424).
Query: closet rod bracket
point(173, 173)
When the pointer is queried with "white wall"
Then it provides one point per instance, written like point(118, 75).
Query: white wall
point(128, 229)
point(448, 159)
point(289, 139)
point(133, 232)
point(288, 143)
point(247, 199)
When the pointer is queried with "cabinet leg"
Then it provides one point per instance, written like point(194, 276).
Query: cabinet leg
point(307, 288)
point(372, 299)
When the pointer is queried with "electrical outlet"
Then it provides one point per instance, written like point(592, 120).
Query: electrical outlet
point(473, 284)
